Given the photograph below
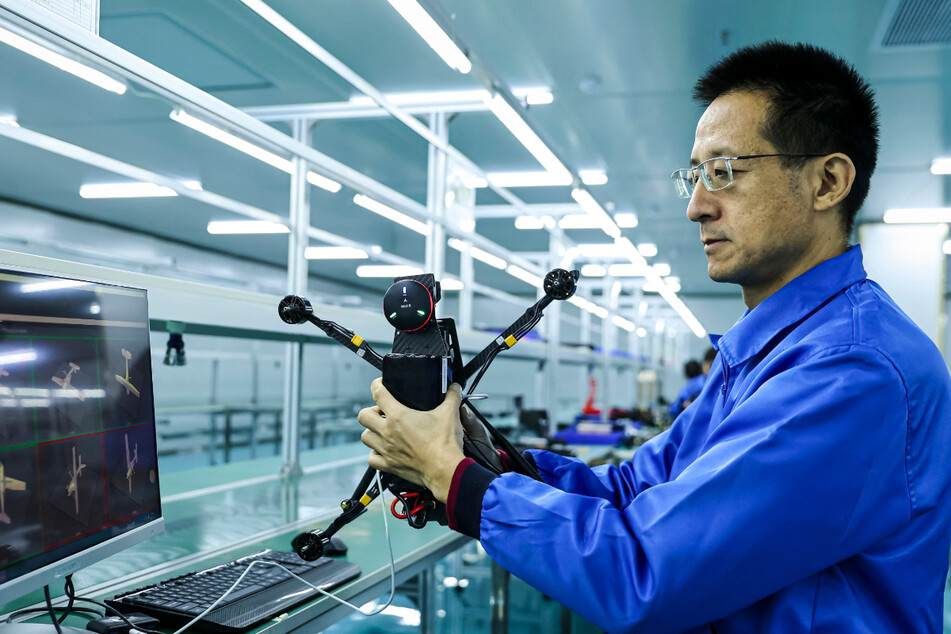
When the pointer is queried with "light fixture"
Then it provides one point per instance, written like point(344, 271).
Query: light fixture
point(626, 220)
point(524, 275)
point(641, 332)
point(620, 322)
point(593, 270)
point(512, 120)
point(578, 301)
point(538, 179)
point(126, 190)
point(662, 269)
point(450, 284)
point(941, 165)
point(647, 249)
point(590, 205)
point(659, 326)
point(927, 215)
point(626, 270)
point(335, 253)
point(387, 270)
point(195, 186)
point(62, 62)
point(593, 177)
point(9, 119)
point(534, 222)
point(323, 182)
point(227, 138)
point(578, 221)
point(432, 34)
point(239, 227)
point(532, 96)
point(458, 244)
point(600, 311)
point(673, 283)
point(488, 258)
point(391, 214)
point(599, 250)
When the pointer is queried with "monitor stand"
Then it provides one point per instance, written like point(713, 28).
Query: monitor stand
point(38, 628)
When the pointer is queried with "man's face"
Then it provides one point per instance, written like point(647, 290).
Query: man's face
point(759, 232)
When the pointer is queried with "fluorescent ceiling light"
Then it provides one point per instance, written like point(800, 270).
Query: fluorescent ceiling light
point(458, 244)
point(531, 96)
point(227, 138)
point(534, 222)
point(512, 120)
point(673, 283)
point(126, 190)
point(602, 250)
point(335, 253)
point(619, 321)
point(387, 270)
point(22, 356)
point(524, 275)
point(193, 185)
point(641, 332)
point(626, 220)
point(9, 119)
point(534, 96)
point(38, 287)
point(941, 166)
point(432, 34)
point(449, 284)
point(928, 215)
point(659, 326)
point(537, 179)
point(391, 214)
point(235, 227)
point(578, 221)
point(647, 249)
point(593, 270)
point(323, 182)
point(488, 258)
point(589, 204)
point(946, 247)
point(578, 301)
point(662, 269)
point(600, 311)
point(626, 270)
point(62, 62)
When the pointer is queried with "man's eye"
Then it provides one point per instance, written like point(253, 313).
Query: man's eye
point(720, 173)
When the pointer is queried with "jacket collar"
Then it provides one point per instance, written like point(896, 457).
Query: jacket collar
point(788, 305)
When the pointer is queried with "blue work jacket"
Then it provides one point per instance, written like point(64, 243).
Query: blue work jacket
point(805, 490)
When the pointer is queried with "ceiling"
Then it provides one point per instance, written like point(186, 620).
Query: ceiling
point(621, 72)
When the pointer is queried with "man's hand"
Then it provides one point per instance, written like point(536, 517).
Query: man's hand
point(421, 447)
point(480, 446)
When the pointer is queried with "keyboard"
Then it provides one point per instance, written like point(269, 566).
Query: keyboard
point(264, 593)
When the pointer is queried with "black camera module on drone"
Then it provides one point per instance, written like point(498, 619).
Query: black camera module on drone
point(425, 360)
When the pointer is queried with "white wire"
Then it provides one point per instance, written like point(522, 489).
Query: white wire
point(389, 544)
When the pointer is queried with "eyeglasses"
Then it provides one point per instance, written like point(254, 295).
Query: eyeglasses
point(715, 173)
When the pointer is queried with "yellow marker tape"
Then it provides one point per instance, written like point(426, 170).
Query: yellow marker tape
point(510, 341)
point(366, 499)
point(357, 340)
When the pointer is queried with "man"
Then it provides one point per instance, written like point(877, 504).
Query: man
point(805, 490)
point(696, 374)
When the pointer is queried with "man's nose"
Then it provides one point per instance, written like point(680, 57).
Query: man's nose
point(703, 204)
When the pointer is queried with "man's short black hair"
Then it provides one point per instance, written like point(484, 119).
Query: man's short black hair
point(692, 368)
point(819, 104)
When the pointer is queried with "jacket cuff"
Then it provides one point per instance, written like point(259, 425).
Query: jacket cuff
point(469, 483)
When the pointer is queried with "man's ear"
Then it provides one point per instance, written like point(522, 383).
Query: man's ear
point(834, 175)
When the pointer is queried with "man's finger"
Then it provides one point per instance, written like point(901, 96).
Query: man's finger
point(453, 398)
point(370, 418)
point(382, 397)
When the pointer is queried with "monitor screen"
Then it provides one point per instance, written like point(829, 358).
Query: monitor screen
point(78, 460)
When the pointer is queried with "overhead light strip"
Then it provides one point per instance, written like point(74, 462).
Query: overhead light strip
point(391, 214)
point(926, 215)
point(387, 270)
point(590, 205)
point(512, 120)
point(244, 227)
point(335, 253)
point(941, 166)
point(126, 190)
point(255, 151)
point(93, 76)
point(432, 34)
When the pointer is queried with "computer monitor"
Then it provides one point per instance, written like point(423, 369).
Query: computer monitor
point(78, 460)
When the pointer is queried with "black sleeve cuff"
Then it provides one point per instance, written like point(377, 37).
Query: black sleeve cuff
point(465, 506)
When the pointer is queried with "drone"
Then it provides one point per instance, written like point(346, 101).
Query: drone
point(425, 359)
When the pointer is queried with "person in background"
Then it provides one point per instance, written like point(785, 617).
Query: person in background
point(695, 378)
point(808, 487)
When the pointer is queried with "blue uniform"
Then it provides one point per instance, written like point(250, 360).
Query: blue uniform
point(806, 490)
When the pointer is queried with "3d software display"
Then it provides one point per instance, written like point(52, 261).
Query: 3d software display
point(77, 441)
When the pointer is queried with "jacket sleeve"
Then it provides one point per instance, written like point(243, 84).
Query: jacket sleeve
point(616, 484)
point(804, 473)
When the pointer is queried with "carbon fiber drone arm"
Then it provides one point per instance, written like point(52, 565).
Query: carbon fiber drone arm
point(296, 310)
